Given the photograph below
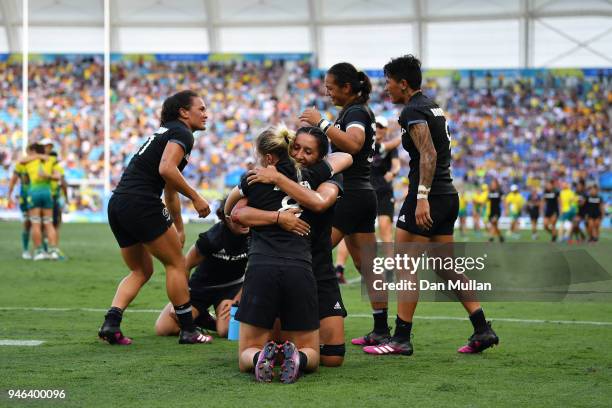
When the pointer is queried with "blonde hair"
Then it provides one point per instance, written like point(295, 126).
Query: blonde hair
point(277, 140)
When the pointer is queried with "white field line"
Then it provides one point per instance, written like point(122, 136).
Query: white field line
point(501, 319)
point(21, 342)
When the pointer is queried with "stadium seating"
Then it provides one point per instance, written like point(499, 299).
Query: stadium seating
point(520, 130)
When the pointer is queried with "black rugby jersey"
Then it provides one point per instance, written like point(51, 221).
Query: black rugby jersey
point(551, 200)
point(141, 177)
point(495, 197)
point(381, 164)
point(271, 240)
point(593, 205)
point(225, 257)
point(357, 177)
point(421, 109)
point(320, 236)
point(533, 201)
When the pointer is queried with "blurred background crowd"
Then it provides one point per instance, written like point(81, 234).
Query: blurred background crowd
point(520, 130)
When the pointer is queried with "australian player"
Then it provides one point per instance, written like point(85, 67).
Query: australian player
point(20, 175)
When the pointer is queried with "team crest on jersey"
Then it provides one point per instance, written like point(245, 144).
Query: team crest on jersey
point(305, 184)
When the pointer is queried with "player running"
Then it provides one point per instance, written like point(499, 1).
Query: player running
point(309, 149)
point(551, 209)
point(353, 132)
point(220, 255)
point(430, 209)
point(143, 226)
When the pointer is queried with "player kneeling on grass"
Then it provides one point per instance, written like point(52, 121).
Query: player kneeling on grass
point(220, 255)
point(310, 149)
point(279, 281)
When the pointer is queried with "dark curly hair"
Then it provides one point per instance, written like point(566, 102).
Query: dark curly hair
point(407, 67)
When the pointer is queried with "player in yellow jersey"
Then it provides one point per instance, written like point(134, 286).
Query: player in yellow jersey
point(40, 203)
point(514, 205)
point(569, 207)
point(20, 175)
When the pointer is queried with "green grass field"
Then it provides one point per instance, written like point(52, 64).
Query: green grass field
point(538, 363)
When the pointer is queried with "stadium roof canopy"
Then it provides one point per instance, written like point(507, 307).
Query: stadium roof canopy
point(445, 33)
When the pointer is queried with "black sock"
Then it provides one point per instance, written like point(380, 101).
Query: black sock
point(380, 321)
point(184, 316)
point(303, 361)
point(114, 316)
point(255, 358)
point(478, 321)
point(402, 329)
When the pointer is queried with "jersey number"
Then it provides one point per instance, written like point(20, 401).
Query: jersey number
point(149, 140)
point(159, 131)
point(288, 203)
point(371, 156)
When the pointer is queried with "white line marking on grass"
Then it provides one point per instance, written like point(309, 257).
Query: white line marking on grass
point(358, 315)
point(21, 342)
point(506, 319)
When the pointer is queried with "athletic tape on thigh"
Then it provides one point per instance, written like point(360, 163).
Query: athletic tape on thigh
point(47, 220)
point(333, 350)
point(35, 219)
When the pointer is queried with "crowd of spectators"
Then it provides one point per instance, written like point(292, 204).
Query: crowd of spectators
point(521, 130)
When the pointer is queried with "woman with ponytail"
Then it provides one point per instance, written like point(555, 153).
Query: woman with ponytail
point(279, 282)
point(354, 132)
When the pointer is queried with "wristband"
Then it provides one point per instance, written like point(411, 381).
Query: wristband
point(324, 124)
point(423, 189)
point(421, 196)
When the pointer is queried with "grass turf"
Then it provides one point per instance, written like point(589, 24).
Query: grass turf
point(536, 364)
